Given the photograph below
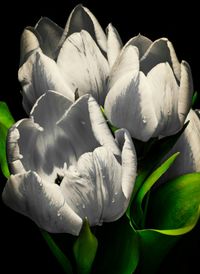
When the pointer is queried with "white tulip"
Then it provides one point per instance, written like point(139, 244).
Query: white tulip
point(149, 91)
point(71, 61)
point(66, 165)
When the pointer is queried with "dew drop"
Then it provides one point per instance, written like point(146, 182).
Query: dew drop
point(113, 200)
point(116, 193)
point(144, 120)
point(58, 214)
point(83, 206)
point(83, 122)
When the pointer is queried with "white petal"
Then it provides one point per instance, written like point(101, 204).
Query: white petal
point(49, 109)
point(129, 161)
point(83, 66)
point(127, 62)
point(165, 92)
point(39, 143)
point(28, 44)
point(94, 188)
point(86, 127)
point(141, 42)
point(160, 51)
point(50, 36)
point(38, 75)
point(114, 44)
point(13, 151)
point(42, 202)
point(82, 19)
point(185, 92)
point(189, 147)
point(129, 105)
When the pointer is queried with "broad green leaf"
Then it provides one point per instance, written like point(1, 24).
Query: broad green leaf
point(58, 253)
point(85, 249)
point(173, 210)
point(137, 211)
point(6, 121)
point(118, 248)
point(175, 204)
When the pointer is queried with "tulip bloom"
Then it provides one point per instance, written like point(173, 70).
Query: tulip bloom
point(149, 90)
point(66, 165)
point(72, 61)
point(189, 147)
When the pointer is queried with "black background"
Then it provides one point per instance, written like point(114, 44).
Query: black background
point(22, 248)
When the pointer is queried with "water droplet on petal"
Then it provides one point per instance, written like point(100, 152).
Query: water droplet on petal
point(144, 120)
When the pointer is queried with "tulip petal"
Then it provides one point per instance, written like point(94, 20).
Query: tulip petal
point(44, 203)
point(160, 51)
point(129, 105)
point(85, 116)
point(82, 19)
point(165, 92)
point(141, 42)
point(49, 109)
point(28, 44)
point(128, 61)
point(83, 66)
point(50, 34)
point(129, 161)
point(93, 188)
point(189, 147)
point(38, 75)
point(185, 92)
point(114, 44)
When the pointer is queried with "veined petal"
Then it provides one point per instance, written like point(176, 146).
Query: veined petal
point(85, 116)
point(185, 92)
point(93, 188)
point(129, 105)
point(128, 61)
point(165, 92)
point(38, 75)
point(44, 203)
point(50, 34)
point(189, 147)
point(83, 66)
point(129, 162)
point(114, 44)
point(39, 137)
point(160, 51)
point(49, 109)
point(28, 44)
point(141, 42)
point(82, 19)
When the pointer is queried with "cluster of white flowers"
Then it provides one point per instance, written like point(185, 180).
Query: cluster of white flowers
point(65, 162)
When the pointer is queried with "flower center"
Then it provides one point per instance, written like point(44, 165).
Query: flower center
point(58, 179)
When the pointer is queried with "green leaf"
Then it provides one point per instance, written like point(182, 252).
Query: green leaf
point(173, 210)
point(85, 249)
point(194, 98)
point(57, 252)
point(6, 121)
point(118, 248)
point(137, 211)
point(175, 204)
